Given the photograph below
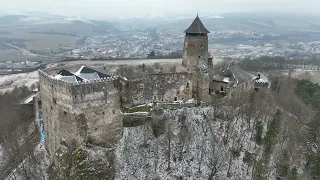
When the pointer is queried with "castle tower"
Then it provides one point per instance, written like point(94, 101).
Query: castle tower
point(80, 106)
point(195, 52)
point(195, 46)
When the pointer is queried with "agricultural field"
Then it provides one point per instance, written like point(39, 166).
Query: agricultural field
point(42, 41)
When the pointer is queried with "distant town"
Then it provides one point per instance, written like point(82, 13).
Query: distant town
point(139, 43)
point(133, 43)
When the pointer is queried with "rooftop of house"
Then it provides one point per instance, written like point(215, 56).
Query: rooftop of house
point(197, 27)
point(81, 75)
point(240, 75)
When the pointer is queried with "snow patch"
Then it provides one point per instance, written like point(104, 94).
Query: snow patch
point(215, 17)
point(8, 82)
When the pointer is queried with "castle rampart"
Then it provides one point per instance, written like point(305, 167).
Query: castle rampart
point(158, 87)
point(80, 112)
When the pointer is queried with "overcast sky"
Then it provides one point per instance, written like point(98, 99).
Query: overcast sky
point(120, 8)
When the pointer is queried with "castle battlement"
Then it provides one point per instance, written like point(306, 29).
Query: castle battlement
point(110, 78)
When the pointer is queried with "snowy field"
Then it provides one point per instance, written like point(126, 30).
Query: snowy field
point(118, 62)
point(8, 82)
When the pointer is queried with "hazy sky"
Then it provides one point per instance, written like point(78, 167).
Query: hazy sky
point(118, 8)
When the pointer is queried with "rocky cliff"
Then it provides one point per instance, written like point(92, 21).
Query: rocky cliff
point(199, 143)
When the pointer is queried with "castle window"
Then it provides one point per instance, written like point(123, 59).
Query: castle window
point(114, 111)
point(51, 108)
point(175, 98)
point(187, 85)
point(199, 56)
point(64, 112)
point(103, 113)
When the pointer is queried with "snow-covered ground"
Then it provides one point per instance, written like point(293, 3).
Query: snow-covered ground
point(115, 62)
point(8, 82)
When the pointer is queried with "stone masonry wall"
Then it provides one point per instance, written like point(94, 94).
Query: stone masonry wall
point(160, 87)
point(80, 113)
point(100, 106)
point(203, 87)
point(195, 50)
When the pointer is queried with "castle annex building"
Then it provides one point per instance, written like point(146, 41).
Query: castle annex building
point(85, 105)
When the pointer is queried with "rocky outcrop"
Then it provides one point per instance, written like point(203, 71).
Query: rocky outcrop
point(199, 143)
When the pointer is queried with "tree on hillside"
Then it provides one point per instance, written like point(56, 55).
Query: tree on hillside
point(151, 54)
point(14, 132)
point(313, 138)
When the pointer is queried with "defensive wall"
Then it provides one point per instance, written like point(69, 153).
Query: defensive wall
point(158, 87)
point(80, 112)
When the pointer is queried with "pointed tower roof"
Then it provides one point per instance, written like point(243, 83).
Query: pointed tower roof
point(197, 27)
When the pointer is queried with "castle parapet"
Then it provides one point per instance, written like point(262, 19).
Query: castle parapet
point(80, 107)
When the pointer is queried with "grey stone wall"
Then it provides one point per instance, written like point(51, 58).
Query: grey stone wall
point(176, 105)
point(195, 50)
point(159, 87)
point(80, 113)
point(100, 104)
point(216, 86)
point(203, 87)
point(243, 87)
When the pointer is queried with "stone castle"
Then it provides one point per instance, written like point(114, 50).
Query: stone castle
point(85, 105)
